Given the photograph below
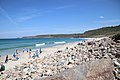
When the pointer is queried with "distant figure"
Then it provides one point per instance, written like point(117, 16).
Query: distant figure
point(30, 49)
point(6, 59)
point(33, 56)
point(40, 51)
point(14, 55)
point(17, 55)
point(27, 50)
point(30, 53)
point(23, 50)
point(37, 53)
point(17, 52)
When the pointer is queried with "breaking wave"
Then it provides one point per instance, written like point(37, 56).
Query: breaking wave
point(40, 44)
point(59, 42)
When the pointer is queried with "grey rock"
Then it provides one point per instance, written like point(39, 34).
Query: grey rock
point(95, 70)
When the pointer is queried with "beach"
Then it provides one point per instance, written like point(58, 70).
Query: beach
point(59, 39)
point(59, 58)
point(24, 57)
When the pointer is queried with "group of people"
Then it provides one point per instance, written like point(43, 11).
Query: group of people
point(16, 57)
point(31, 55)
point(36, 54)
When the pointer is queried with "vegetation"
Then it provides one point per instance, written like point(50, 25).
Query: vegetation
point(101, 32)
point(116, 37)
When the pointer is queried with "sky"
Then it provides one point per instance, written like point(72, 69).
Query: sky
point(20, 18)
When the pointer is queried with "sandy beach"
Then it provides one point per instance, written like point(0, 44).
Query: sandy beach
point(24, 57)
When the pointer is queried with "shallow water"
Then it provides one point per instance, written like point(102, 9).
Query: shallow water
point(8, 46)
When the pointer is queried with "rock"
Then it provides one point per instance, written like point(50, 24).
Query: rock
point(117, 55)
point(25, 76)
point(95, 70)
point(26, 70)
point(116, 63)
point(100, 70)
point(116, 69)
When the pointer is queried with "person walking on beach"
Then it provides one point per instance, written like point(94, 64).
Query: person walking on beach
point(37, 53)
point(6, 59)
point(40, 51)
point(30, 53)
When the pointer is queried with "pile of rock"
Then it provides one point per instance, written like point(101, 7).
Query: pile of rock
point(63, 60)
point(93, 70)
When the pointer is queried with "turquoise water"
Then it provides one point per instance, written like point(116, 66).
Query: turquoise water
point(8, 46)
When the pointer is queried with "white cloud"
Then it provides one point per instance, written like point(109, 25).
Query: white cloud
point(101, 17)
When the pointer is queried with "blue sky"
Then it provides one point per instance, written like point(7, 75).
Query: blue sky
point(32, 17)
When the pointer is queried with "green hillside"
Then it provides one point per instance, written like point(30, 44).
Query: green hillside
point(101, 32)
point(105, 31)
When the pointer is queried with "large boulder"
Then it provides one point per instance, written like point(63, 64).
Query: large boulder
point(99, 70)
point(94, 70)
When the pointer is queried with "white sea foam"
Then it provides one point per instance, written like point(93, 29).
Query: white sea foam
point(59, 42)
point(40, 44)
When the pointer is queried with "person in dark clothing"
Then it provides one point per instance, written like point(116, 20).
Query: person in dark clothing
point(40, 51)
point(30, 51)
point(6, 59)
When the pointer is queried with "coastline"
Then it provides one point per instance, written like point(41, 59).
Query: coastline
point(9, 46)
point(59, 58)
point(45, 52)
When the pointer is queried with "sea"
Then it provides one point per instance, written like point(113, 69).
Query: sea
point(9, 46)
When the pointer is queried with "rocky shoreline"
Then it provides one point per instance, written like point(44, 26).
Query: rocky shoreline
point(62, 60)
point(92, 70)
